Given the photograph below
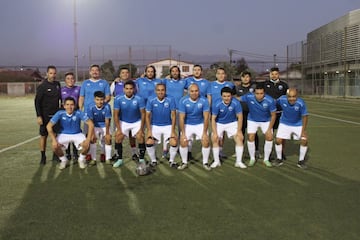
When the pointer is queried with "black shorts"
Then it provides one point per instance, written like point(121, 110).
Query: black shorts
point(43, 131)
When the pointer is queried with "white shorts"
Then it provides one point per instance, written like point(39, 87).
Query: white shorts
point(65, 139)
point(252, 126)
point(196, 130)
point(100, 132)
point(133, 127)
point(229, 128)
point(286, 132)
point(157, 131)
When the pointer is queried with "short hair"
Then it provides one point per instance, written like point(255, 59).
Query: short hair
point(69, 99)
point(160, 84)
point(99, 94)
point(129, 82)
point(124, 68)
point(244, 73)
point(274, 69)
point(260, 86)
point(50, 67)
point(69, 73)
point(198, 65)
point(94, 65)
point(226, 90)
point(220, 68)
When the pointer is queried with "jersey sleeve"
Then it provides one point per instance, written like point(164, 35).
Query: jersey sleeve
point(238, 108)
point(38, 99)
point(108, 113)
point(117, 103)
point(172, 104)
point(141, 103)
point(82, 89)
point(206, 105)
point(215, 109)
point(56, 117)
point(107, 88)
point(148, 106)
point(272, 106)
point(182, 105)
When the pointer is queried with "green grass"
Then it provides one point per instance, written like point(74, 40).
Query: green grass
point(227, 203)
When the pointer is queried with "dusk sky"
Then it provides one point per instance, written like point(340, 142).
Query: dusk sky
point(37, 32)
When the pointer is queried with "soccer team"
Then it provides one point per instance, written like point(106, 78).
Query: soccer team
point(174, 111)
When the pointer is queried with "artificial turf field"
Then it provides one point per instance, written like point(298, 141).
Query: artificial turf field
point(322, 202)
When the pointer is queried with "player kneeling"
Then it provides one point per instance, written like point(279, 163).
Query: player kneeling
point(70, 132)
point(227, 117)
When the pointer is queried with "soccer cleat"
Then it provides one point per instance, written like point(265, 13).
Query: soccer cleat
point(267, 163)
point(215, 164)
point(55, 158)
point(251, 162)
point(240, 165)
point(43, 161)
point(258, 154)
point(141, 160)
point(153, 164)
point(182, 166)
point(302, 165)
point(82, 164)
point(92, 163)
point(135, 157)
point(63, 165)
point(278, 162)
point(68, 156)
point(207, 167)
point(102, 157)
point(173, 165)
point(118, 163)
point(222, 155)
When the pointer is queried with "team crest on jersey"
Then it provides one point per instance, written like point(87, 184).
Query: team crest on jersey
point(202, 84)
point(281, 87)
point(74, 118)
point(268, 85)
point(101, 84)
point(251, 90)
point(231, 108)
point(265, 105)
point(166, 104)
point(199, 105)
point(135, 103)
point(296, 108)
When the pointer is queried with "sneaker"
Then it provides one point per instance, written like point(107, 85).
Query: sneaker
point(302, 165)
point(135, 157)
point(222, 155)
point(102, 157)
point(153, 164)
point(82, 164)
point(55, 158)
point(278, 162)
point(68, 156)
point(63, 165)
point(207, 167)
point(182, 166)
point(240, 165)
point(173, 165)
point(108, 161)
point(251, 162)
point(267, 163)
point(215, 164)
point(92, 163)
point(118, 163)
point(141, 160)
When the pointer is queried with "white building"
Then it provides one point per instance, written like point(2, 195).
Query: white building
point(162, 67)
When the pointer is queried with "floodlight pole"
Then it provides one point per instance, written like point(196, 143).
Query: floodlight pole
point(76, 56)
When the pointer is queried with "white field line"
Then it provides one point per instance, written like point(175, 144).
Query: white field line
point(335, 119)
point(19, 144)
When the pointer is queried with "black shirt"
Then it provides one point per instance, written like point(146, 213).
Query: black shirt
point(47, 99)
point(276, 89)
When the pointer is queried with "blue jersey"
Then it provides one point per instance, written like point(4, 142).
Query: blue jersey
point(146, 87)
point(89, 87)
point(129, 108)
point(226, 113)
point(259, 111)
point(194, 109)
point(203, 84)
point(175, 89)
point(215, 90)
point(161, 110)
point(73, 92)
point(98, 115)
point(69, 124)
point(292, 114)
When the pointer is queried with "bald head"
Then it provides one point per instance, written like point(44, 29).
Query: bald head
point(194, 91)
point(291, 94)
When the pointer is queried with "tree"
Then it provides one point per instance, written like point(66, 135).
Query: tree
point(240, 66)
point(108, 70)
point(210, 73)
point(132, 68)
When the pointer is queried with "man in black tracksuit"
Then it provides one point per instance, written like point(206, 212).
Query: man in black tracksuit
point(276, 88)
point(47, 103)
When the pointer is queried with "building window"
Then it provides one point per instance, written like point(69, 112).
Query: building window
point(185, 68)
